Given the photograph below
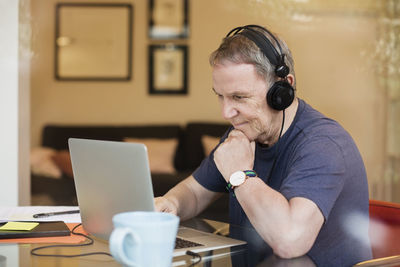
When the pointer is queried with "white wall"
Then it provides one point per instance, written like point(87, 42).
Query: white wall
point(24, 87)
point(14, 107)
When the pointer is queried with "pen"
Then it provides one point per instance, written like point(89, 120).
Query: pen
point(40, 215)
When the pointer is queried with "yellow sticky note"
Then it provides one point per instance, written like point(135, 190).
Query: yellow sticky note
point(19, 226)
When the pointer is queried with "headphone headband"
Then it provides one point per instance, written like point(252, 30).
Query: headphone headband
point(264, 44)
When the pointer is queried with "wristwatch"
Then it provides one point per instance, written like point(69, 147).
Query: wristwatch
point(239, 177)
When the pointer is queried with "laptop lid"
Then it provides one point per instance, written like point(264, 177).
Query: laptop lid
point(112, 177)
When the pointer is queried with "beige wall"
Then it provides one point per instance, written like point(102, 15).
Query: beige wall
point(333, 47)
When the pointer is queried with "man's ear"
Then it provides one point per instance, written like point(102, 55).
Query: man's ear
point(290, 79)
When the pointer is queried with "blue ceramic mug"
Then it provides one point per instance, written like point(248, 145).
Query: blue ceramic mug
point(144, 238)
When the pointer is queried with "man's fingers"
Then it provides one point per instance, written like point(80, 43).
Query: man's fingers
point(236, 133)
point(162, 204)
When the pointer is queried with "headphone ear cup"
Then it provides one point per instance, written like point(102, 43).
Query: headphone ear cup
point(280, 95)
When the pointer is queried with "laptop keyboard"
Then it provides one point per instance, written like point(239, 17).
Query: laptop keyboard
point(182, 243)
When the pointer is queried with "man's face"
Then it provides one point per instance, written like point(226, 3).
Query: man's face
point(241, 93)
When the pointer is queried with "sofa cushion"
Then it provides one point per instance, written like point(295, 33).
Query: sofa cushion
point(194, 149)
point(63, 161)
point(61, 191)
point(161, 153)
point(42, 163)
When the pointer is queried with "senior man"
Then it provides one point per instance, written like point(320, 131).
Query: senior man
point(293, 175)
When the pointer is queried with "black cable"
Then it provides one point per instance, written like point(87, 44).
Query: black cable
point(194, 255)
point(91, 241)
point(278, 148)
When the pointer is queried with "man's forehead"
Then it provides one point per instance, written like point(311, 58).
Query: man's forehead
point(235, 87)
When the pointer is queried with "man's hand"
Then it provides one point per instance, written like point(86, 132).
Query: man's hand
point(236, 153)
point(163, 204)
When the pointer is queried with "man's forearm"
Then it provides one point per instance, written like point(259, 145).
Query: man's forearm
point(184, 200)
point(190, 198)
point(289, 227)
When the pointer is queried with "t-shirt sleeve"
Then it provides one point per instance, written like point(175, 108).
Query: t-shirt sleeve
point(208, 175)
point(317, 173)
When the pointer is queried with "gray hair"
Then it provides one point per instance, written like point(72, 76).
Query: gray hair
point(239, 49)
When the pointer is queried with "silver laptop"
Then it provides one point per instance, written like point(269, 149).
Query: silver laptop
point(112, 177)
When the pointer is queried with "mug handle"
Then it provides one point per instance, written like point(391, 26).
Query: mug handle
point(117, 239)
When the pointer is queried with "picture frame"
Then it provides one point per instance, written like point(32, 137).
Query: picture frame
point(93, 42)
point(168, 19)
point(168, 68)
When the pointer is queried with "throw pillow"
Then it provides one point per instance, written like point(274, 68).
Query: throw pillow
point(160, 151)
point(63, 161)
point(42, 163)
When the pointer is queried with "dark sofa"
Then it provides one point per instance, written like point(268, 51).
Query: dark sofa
point(188, 156)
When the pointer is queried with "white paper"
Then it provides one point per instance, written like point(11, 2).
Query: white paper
point(25, 213)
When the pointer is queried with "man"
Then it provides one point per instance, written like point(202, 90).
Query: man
point(294, 175)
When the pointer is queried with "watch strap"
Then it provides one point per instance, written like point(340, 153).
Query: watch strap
point(250, 173)
point(229, 187)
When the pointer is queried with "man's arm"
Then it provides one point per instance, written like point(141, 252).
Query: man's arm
point(187, 199)
point(289, 227)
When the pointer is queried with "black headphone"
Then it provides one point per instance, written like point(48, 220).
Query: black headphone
point(281, 94)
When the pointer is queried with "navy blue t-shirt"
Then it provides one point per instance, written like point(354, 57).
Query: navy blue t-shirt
point(318, 160)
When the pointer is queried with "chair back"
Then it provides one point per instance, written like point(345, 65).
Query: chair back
point(384, 228)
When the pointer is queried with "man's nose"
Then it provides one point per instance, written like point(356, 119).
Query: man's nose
point(228, 110)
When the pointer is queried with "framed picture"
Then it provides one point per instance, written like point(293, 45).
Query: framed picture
point(168, 19)
point(168, 69)
point(93, 42)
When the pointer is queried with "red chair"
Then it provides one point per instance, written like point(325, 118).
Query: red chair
point(384, 228)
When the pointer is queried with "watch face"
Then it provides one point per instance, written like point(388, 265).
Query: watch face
point(237, 178)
